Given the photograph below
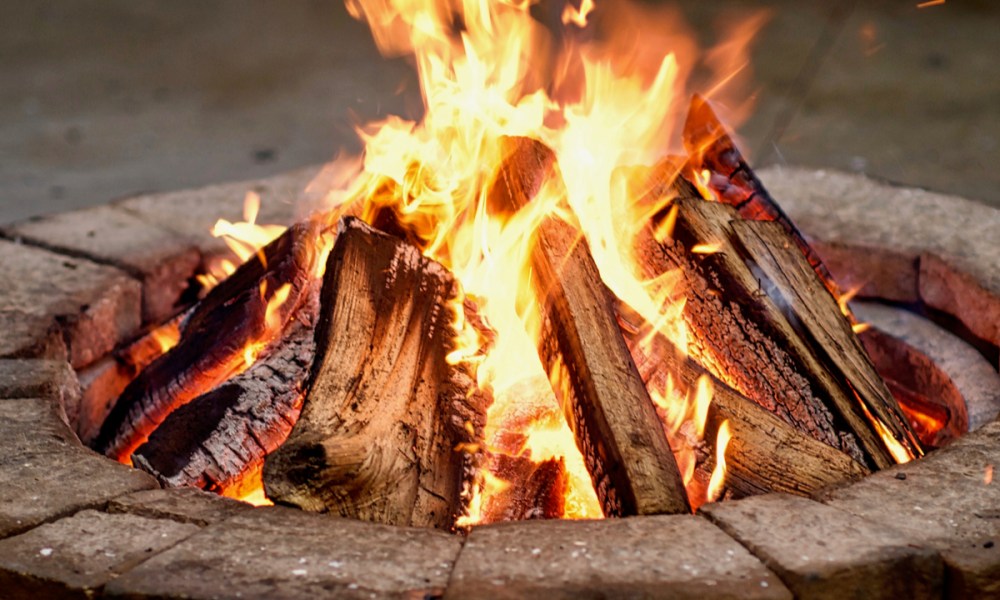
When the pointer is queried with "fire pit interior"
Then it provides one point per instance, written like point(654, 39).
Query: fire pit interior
point(526, 306)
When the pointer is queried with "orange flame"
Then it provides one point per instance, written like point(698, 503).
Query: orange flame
point(244, 238)
point(601, 102)
point(717, 482)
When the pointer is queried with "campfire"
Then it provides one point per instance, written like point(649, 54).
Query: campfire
point(521, 306)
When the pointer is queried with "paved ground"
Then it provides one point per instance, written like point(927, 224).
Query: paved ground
point(105, 98)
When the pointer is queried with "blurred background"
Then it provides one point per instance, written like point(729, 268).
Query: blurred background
point(101, 99)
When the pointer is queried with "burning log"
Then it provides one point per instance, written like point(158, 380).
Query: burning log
point(218, 441)
point(228, 323)
point(765, 323)
point(385, 414)
point(540, 491)
point(733, 182)
point(765, 454)
point(605, 401)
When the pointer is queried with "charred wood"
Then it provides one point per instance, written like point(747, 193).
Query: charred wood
point(218, 441)
point(229, 319)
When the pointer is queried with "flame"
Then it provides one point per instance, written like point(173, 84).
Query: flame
point(166, 336)
point(717, 482)
point(244, 238)
point(988, 475)
point(602, 102)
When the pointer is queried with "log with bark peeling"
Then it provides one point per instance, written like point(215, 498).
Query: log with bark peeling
point(385, 415)
point(218, 441)
point(225, 322)
point(604, 399)
point(764, 322)
point(765, 454)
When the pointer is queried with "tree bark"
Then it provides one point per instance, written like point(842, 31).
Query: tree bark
point(604, 399)
point(385, 414)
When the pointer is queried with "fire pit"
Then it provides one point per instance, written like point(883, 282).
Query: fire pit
point(505, 321)
point(74, 520)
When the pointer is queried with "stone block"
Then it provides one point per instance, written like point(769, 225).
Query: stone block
point(49, 379)
point(187, 505)
point(639, 557)
point(101, 383)
point(159, 258)
point(953, 240)
point(943, 500)
point(282, 553)
point(191, 214)
point(45, 473)
point(822, 552)
point(76, 556)
point(973, 571)
point(61, 307)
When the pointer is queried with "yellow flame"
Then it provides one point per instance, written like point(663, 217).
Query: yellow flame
point(718, 480)
point(489, 70)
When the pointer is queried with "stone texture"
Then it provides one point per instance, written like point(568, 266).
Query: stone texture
point(76, 556)
point(101, 383)
point(44, 471)
point(107, 235)
point(638, 557)
point(49, 379)
point(60, 307)
point(187, 505)
point(951, 242)
point(973, 571)
point(191, 214)
point(941, 501)
point(822, 552)
point(282, 553)
point(972, 375)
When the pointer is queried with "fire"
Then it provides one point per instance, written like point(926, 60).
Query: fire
point(715, 485)
point(244, 238)
point(602, 103)
point(166, 336)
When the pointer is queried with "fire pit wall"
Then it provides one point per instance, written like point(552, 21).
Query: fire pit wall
point(76, 284)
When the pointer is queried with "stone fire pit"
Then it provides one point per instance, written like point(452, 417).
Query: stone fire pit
point(74, 523)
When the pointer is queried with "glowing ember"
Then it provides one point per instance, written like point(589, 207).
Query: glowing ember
point(988, 475)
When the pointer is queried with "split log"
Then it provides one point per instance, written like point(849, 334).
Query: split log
point(763, 322)
point(228, 320)
point(537, 491)
point(384, 414)
point(765, 454)
point(710, 147)
point(218, 441)
point(604, 399)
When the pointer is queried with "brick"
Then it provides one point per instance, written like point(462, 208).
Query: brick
point(45, 473)
point(61, 307)
point(972, 376)
point(187, 505)
point(822, 552)
point(49, 379)
point(677, 556)
point(76, 556)
point(950, 240)
point(191, 214)
point(941, 500)
point(973, 571)
point(101, 383)
point(283, 553)
point(159, 258)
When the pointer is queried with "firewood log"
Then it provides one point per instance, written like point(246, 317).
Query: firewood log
point(226, 321)
point(765, 454)
point(710, 148)
point(536, 490)
point(385, 416)
point(764, 322)
point(218, 441)
point(604, 399)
